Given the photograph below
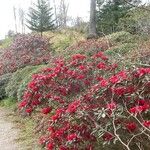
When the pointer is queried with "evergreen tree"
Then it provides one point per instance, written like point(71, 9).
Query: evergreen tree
point(40, 17)
point(109, 14)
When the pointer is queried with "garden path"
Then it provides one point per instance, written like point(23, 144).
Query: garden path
point(8, 132)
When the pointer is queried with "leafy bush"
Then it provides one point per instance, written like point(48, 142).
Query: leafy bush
point(136, 21)
point(121, 37)
point(23, 84)
point(87, 47)
point(142, 54)
point(6, 43)
point(8, 102)
point(121, 49)
point(17, 79)
point(25, 50)
point(92, 103)
point(4, 79)
point(64, 38)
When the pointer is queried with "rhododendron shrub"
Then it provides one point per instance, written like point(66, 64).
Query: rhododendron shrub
point(90, 102)
point(25, 50)
point(87, 47)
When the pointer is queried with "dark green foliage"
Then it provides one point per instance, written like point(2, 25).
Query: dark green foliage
point(40, 17)
point(109, 14)
point(121, 37)
point(4, 79)
point(136, 21)
point(16, 80)
point(23, 85)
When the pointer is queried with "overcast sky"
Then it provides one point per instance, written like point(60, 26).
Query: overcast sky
point(76, 8)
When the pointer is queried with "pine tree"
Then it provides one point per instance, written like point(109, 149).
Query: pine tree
point(109, 14)
point(40, 17)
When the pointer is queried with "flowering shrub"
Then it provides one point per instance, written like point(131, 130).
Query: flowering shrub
point(18, 77)
point(88, 102)
point(86, 47)
point(25, 50)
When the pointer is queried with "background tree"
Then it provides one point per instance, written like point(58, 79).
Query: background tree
point(109, 14)
point(40, 17)
point(92, 24)
point(62, 15)
point(22, 20)
point(15, 18)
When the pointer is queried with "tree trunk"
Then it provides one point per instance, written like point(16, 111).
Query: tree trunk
point(41, 33)
point(92, 25)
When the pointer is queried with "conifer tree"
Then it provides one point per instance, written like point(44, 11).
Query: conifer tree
point(109, 14)
point(40, 17)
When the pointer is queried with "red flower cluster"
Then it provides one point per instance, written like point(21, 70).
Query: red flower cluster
point(46, 110)
point(83, 93)
point(131, 126)
point(25, 50)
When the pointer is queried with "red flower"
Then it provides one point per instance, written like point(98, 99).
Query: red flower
point(50, 146)
point(46, 110)
point(63, 148)
point(73, 107)
point(81, 76)
point(131, 126)
point(78, 57)
point(141, 71)
point(101, 65)
point(42, 140)
point(50, 129)
point(141, 102)
point(119, 91)
point(81, 67)
point(104, 83)
point(107, 136)
point(111, 106)
point(114, 79)
point(136, 109)
point(28, 110)
point(139, 109)
point(146, 123)
point(35, 102)
point(22, 104)
point(122, 75)
point(55, 117)
point(99, 54)
point(72, 137)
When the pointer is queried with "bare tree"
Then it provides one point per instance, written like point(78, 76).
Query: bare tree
point(92, 24)
point(55, 12)
point(15, 18)
point(62, 16)
point(22, 19)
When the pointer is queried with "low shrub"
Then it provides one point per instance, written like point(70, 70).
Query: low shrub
point(23, 84)
point(6, 43)
point(88, 103)
point(4, 79)
point(141, 54)
point(121, 37)
point(25, 50)
point(8, 103)
point(17, 79)
point(62, 39)
point(121, 50)
point(87, 47)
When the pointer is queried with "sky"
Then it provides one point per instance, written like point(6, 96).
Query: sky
point(78, 8)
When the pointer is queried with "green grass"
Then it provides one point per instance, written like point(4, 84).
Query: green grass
point(8, 103)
